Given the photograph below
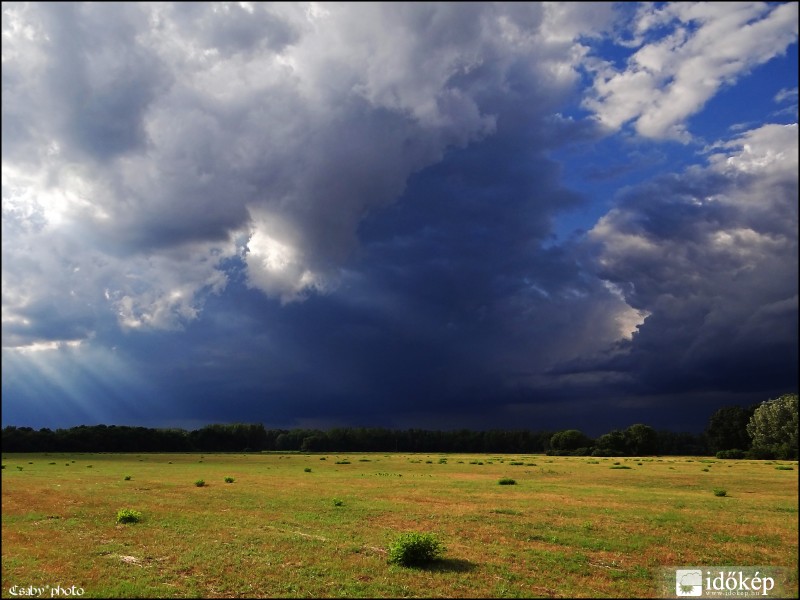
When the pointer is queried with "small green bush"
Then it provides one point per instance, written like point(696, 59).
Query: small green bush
point(619, 466)
point(229, 480)
point(342, 462)
point(199, 483)
point(127, 477)
point(411, 549)
point(720, 493)
point(784, 468)
point(307, 469)
point(507, 481)
point(127, 515)
point(734, 454)
point(337, 502)
point(706, 470)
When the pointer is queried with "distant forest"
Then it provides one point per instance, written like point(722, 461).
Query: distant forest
point(637, 440)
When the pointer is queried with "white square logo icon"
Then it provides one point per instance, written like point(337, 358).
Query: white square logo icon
point(688, 582)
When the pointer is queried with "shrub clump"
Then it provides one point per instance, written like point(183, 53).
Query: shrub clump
point(229, 480)
point(411, 549)
point(734, 454)
point(307, 470)
point(337, 502)
point(720, 493)
point(199, 483)
point(127, 515)
point(507, 481)
point(127, 477)
point(618, 466)
point(784, 468)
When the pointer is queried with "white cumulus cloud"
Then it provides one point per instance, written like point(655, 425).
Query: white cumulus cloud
point(686, 53)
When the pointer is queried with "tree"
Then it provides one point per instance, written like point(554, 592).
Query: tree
point(612, 443)
point(569, 440)
point(727, 428)
point(641, 440)
point(283, 442)
point(312, 443)
point(773, 427)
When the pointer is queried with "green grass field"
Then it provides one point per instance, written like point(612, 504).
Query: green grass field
point(298, 525)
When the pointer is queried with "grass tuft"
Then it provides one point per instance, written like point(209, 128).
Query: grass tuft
point(507, 481)
point(413, 549)
point(720, 493)
point(128, 515)
point(199, 483)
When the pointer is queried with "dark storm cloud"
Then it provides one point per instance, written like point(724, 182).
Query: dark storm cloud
point(151, 143)
point(344, 214)
point(453, 306)
point(711, 255)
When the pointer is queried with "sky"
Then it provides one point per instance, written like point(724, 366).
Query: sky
point(404, 215)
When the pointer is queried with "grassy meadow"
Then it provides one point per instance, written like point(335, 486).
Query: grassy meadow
point(318, 525)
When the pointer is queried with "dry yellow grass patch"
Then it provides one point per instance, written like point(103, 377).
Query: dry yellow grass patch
point(569, 528)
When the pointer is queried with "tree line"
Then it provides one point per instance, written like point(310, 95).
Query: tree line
point(246, 437)
point(768, 430)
